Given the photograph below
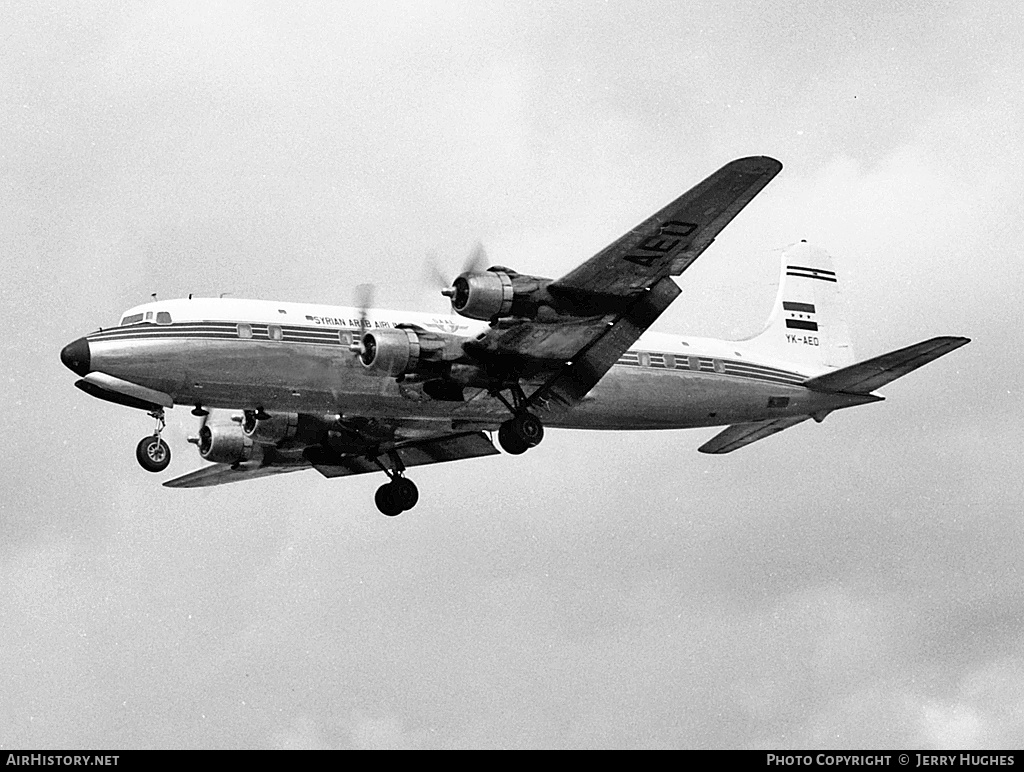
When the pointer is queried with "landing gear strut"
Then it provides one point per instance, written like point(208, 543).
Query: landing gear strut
point(523, 430)
point(152, 452)
point(398, 495)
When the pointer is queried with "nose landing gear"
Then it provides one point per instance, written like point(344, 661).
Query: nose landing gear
point(153, 453)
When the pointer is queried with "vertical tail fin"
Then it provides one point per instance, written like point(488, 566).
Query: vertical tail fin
point(808, 322)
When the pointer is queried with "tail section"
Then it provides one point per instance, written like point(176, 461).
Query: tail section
point(808, 323)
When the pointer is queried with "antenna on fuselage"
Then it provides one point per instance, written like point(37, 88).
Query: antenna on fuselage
point(153, 295)
point(224, 293)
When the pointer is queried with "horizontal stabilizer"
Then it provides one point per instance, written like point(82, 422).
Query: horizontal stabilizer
point(865, 377)
point(738, 435)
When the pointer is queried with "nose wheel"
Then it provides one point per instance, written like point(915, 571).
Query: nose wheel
point(152, 452)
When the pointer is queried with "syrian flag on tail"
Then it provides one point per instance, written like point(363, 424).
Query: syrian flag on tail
point(799, 316)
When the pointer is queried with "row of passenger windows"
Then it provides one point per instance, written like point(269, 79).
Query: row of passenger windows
point(273, 331)
point(668, 361)
point(162, 317)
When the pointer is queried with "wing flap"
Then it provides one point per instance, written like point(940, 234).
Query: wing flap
point(435, 451)
point(864, 377)
point(738, 435)
point(573, 380)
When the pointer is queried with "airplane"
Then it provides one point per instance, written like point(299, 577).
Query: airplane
point(353, 390)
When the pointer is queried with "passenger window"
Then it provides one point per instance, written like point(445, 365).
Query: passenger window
point(694, 363)
point(670, 361)
point(162, 317)
point(244, 330)
point(719, 367)
point(645, 359)
point(274, 332)
point(344, 338)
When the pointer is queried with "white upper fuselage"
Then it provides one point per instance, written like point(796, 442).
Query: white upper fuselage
point(282, 356)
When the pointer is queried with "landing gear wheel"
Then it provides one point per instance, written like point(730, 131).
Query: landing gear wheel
point(519, 434)
point(404, 493)
point(528, 428)
point(384, 498)
point(153, 454)
point(509, 441)
point(396, 497)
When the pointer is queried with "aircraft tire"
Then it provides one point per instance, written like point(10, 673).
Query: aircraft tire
point(384, 498)
point(528, 428)
point(153, 454)
point(511, 442)
point(404, 493)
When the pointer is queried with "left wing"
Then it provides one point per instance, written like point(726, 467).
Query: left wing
point(435, 450)
point(606, 303)
point(218, 474)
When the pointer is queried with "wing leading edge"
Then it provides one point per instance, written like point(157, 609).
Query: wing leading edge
point(436, 450)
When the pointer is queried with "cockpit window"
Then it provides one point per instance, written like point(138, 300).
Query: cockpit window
point(133, 319)
point(162, 317)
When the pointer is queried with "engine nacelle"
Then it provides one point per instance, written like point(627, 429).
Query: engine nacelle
point(391, 352)
point(227, 444)
point(272, 430)
point(496, 293)
point(483, 295)
point(402, 351)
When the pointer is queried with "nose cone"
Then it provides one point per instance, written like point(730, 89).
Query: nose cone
point(75, 356)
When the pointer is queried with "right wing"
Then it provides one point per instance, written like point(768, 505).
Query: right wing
point(670, 240)
point(612, 298)
point(738, 435)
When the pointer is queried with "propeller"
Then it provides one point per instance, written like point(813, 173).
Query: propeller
point(475, 262)
point(364, 299)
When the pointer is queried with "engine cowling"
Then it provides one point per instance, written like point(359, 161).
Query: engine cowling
point(227, 444)
point(392, 352)
point(272, 430)
point(402, 352)
point(497, 292)
point(483, 295)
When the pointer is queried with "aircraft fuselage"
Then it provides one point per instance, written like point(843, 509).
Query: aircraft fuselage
point(296, 358)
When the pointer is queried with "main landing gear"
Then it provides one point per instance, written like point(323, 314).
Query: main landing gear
point(152, 452)
point(523, 430)
point(398, 495)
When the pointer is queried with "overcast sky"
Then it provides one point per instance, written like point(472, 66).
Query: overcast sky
point(849, 584)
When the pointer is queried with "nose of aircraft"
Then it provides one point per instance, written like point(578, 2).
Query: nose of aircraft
point(75, 356)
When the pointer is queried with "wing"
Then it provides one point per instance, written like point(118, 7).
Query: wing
point(617, 294)
point(738, 435)
point(219, 474)
point(435, 450)
point(669, 241)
